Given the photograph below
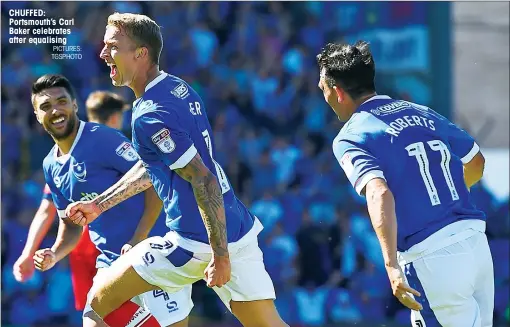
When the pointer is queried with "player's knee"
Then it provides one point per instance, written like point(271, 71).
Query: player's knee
point(261, 313)
point(91, 319)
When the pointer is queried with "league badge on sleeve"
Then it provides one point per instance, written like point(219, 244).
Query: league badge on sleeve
point(126, 151)
point(163, 140)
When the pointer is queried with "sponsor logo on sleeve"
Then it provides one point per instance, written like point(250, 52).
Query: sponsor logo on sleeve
point(163, 141)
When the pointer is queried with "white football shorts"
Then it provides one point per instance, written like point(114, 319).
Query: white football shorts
point(167, 308)
point(453, 271)
point(172, 263)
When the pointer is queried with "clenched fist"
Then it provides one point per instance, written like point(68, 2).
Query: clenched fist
point(23, 268)
point(44, 259)
point(82, 212)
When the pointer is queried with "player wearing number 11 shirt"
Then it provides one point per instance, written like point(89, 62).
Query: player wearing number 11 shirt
point(415, 168)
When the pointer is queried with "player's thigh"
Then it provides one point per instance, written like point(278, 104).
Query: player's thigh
point(169, 309)
point(164, 264)
point(155, 263)
point(259, 313)
point(445, 280)
point(115, 285)
point(250, 292)
point(484, 285)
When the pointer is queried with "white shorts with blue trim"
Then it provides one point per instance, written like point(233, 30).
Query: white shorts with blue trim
point(172, 263)
point(167, 308)
point(453, 271)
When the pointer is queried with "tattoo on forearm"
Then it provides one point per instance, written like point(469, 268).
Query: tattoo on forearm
point(210, 203)
point(136, 180)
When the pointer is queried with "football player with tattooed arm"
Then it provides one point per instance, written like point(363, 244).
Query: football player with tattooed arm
point(415, 169)
point(212, 234)
point(85, 160)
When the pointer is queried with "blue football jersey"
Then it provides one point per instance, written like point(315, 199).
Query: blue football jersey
point(98, 158)
point(170, 126)
point(420, 154)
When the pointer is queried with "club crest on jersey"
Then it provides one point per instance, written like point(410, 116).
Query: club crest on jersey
point(145, 105)
point(79, 171)
point(181, 91)
point(163, 140)
point(126, 151)
point(57, 181)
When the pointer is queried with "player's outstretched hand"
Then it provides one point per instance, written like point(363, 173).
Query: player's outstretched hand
point(82, 212)
point(44, 259)
point(401, 290)
point(218, 271)
point(23, 268)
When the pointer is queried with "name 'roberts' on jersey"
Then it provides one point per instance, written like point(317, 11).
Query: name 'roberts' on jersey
point(401, 123)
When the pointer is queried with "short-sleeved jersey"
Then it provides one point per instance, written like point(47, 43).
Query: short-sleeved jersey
point(98, 158)
point(170, 126)
point(420, 154)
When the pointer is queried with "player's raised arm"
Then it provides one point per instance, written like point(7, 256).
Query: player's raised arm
point(136, 180)
point(121, 156)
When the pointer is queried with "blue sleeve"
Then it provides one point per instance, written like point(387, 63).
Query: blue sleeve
point(47, 193)
point(119, 153)
point(161, 132)
point(59, 200)
point(360, 166)
point(461, 143)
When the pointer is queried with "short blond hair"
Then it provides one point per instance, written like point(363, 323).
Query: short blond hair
point(144, 31)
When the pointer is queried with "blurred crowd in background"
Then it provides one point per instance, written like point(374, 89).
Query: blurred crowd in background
point(254, 66)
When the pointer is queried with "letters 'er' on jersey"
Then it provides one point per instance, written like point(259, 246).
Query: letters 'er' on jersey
point(98, 158)
point(420, 154)
point(170, 127)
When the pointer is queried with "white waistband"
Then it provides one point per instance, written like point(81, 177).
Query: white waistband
point(444, 237)
point(199, 247)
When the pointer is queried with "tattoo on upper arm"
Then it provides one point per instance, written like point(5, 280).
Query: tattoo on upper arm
point(210, 202)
